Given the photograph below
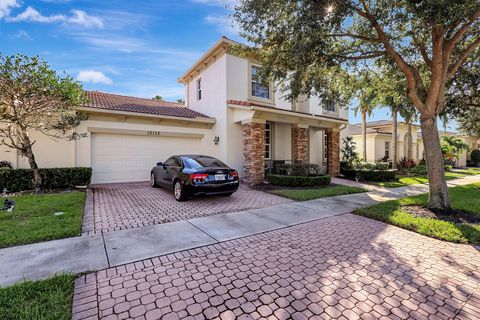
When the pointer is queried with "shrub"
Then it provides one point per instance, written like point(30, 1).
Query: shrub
point(447, 167)
point(302, 170)
point(475, 156)
point(372, 166)
point(369, 175)
point(298, 181)
point(6, 164)
point(406, 164)
point(419, 170)
point(53, 178)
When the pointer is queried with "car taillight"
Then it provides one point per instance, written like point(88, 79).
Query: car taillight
point(198, 177)
point(234, 174)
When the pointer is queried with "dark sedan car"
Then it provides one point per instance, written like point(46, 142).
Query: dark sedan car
point(191, 175)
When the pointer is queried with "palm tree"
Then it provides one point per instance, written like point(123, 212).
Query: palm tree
point(409, 114)
point(394, 109)
point(365, 109)
point(368, 96)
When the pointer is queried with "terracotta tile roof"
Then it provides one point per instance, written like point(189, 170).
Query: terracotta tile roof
point(115, 102)
point(250, 104)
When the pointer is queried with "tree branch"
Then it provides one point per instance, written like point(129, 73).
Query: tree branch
point(353, 35)
point(463, 29)
point(372, 55)
point(423, 51)
point(411, 76)
point(462, 58)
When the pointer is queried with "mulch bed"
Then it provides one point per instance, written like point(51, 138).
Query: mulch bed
point(457, 216)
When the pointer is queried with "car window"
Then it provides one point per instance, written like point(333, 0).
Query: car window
point(171, 162)
point(203, 162)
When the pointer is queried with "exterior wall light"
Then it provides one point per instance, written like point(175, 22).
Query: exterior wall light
point(216, 140)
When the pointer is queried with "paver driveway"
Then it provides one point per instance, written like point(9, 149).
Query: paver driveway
point(121, 206)
point(343, 267)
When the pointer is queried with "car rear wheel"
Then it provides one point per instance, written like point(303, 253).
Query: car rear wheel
point(179, 191)
point(153, 181)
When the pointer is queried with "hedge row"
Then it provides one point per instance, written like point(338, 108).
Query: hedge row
point(52, 178)
point(369, 175)
point(298, 181)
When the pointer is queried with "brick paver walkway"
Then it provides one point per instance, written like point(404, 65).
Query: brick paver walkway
point(121, 206)
point(344, 267)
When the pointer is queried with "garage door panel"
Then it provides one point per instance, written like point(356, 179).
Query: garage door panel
point(127, 158)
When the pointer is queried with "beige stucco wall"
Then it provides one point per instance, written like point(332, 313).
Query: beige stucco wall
point(51, 153)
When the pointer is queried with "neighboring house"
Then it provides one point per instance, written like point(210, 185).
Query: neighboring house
point(380, 144)
point(228, 114)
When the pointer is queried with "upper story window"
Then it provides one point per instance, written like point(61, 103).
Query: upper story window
point(259, 89)
point(199, 89)
point(330, 106)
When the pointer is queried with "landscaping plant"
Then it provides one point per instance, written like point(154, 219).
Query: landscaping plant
point(451, 149)
point(349, 153)
point(34, 98)
point(317, 46)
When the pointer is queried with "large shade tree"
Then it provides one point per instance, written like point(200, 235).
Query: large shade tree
point(34, 99)
point(307, 43)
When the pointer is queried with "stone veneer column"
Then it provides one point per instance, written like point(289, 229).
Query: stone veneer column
point(300, 144)
point(333, 152)
point(253, 153)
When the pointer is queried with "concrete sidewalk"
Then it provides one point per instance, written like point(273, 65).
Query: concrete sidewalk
point(88, 253)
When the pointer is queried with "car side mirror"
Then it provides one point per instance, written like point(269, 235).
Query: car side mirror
point(159, 164)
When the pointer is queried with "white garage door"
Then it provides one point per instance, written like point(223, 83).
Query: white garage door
point(128, 158)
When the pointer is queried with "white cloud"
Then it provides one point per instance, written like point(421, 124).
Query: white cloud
point(225, 3)
point(93, 77)
point(6, 7)
point(82, 18)
point(32, 15)
point(78, 17)
point(224, 24)
point(22, 34)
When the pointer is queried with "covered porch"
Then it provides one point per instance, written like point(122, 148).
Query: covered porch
point(272, 137)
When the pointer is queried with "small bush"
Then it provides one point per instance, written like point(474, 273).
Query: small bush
point(406, 164)
point(6, 164)
point(372, 166)
point(419, 170)
point(448, 167)
point(369, 175)
point(475, 156)
point(298, 181)
point(301, 170)
point(15, 180)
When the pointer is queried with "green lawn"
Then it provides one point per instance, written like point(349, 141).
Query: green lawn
point(468, 171)
point(406, 181)
point(44, 299)
point(309, 194)
point(33, 219)
point(466, 198)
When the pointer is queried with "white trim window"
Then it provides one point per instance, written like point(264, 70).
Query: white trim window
point(387, 149)
point(259, 89)
point(199, 89)
point(267, 154)
point(330, 106)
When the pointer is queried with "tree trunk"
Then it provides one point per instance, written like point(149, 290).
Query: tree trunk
point(37, 178)
point(364, 134)
point(409, 140)
point(395, 138)
point(439, 198)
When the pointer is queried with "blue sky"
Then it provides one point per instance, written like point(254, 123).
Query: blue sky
point(136, 48)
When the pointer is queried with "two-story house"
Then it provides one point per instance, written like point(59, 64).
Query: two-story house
point(380, 141)
point(228, 113)
point(254, 123)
